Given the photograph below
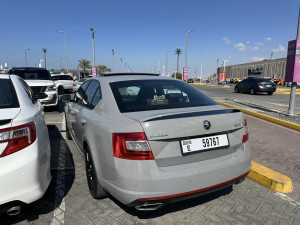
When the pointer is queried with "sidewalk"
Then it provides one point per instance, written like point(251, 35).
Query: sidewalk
point(274, 146)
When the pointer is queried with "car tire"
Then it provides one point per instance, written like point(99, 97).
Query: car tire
point(236, 90)
point(60, 90)
point(270, 93)
point(95, 187)
point(68, 131)
point(252, 92)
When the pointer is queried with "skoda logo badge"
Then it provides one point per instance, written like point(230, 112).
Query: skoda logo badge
point(206, 124)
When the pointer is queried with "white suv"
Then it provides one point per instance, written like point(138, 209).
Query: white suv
point(64, 82)
point(40, 81)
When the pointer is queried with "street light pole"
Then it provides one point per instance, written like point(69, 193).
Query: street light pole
point(186, 46)
point(93, 37)
point(217, 77)
point(167, 62)
point(26, 56)
point(66, 49)
point(121, 64)
point(294, 84)
point(113, 55)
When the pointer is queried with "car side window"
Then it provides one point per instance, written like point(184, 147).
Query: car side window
point(80, 93)
point(68, 77)
point(97, 97)
point(29, 91)
point(90, 93)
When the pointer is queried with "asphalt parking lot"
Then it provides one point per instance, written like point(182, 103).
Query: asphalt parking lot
point(68, 201)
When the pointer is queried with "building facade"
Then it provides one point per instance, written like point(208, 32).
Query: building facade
point(272, 68)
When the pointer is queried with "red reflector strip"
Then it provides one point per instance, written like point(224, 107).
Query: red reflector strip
point(192, 192)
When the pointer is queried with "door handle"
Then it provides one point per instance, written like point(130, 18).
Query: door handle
point(72, 110)
point(83, 122)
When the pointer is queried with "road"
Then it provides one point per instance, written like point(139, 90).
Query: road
point(280, 101)
point(68, 201)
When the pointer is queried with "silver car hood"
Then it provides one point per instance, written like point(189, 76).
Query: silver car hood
point(33, 83)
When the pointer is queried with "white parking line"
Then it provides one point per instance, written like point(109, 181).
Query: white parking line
point(59, 212)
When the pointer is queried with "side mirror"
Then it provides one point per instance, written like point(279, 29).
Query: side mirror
point(66, 98)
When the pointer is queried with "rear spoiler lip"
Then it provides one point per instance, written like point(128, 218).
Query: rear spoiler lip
point(191, 114)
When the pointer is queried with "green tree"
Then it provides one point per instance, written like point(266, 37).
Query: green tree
point(103, 69)
point(178, 52)
point(84, 64)
point(177, 75)
point(44, 50)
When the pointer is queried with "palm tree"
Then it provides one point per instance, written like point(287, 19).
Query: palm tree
point(44, 50)
point(103, 69)
point(84, 64)
point(178, 52)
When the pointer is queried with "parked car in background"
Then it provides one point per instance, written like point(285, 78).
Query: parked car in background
point(41, 83)
point(254, 85)
point(64, 83)
point(79, 83)
point(24, 146)
point(191, 80)
point(149, 140)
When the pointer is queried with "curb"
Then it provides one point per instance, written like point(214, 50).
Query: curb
point(270, 178)
point(280, 122)
point(285, 92)
point(264, 175)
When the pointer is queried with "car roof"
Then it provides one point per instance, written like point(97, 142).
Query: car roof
point(126, 77)
point(27, 68)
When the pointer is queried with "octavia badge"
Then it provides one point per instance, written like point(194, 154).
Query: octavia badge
point(206, 124)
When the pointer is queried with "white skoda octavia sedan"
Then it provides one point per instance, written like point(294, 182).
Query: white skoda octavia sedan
point(24, 146)
point(149, 140)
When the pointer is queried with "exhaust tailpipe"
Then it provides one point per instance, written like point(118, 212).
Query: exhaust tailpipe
point(148, 206)
point(13, 211)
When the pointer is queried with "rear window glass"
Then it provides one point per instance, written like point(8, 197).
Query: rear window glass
point(8, 97)
point(32, 74)
point(144, 95)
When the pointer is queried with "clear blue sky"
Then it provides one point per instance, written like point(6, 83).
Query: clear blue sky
point(141, 32)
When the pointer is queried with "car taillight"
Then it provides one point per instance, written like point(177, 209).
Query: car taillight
point(74, 85)
point(246, 134)
point(133, 146)
point(260, 84)
point(17, 138)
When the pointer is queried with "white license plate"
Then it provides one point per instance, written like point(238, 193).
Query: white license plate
point(268, 85)
point(198, 144)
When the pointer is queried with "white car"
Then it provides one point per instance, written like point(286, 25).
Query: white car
point(64, 82)
point(24, 146)
point(41, 83)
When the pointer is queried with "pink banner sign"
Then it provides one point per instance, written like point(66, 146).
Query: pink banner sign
point(292, 72)
point(185, 73)
point(166, 74)
point(94, 71)
point(222, 77)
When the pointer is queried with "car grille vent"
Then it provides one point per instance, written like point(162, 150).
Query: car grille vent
point(38, 89)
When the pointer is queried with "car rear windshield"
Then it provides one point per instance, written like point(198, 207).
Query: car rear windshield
point(32, 74)
point(262, 80)
point(8, 97)
point(144, 95)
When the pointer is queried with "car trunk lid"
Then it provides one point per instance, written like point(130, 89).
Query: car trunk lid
point(166, 130)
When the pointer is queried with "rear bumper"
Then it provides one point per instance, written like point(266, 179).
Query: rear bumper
point(143, 181)
point(25, 175)
point(266, 89)
point(189, 195)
